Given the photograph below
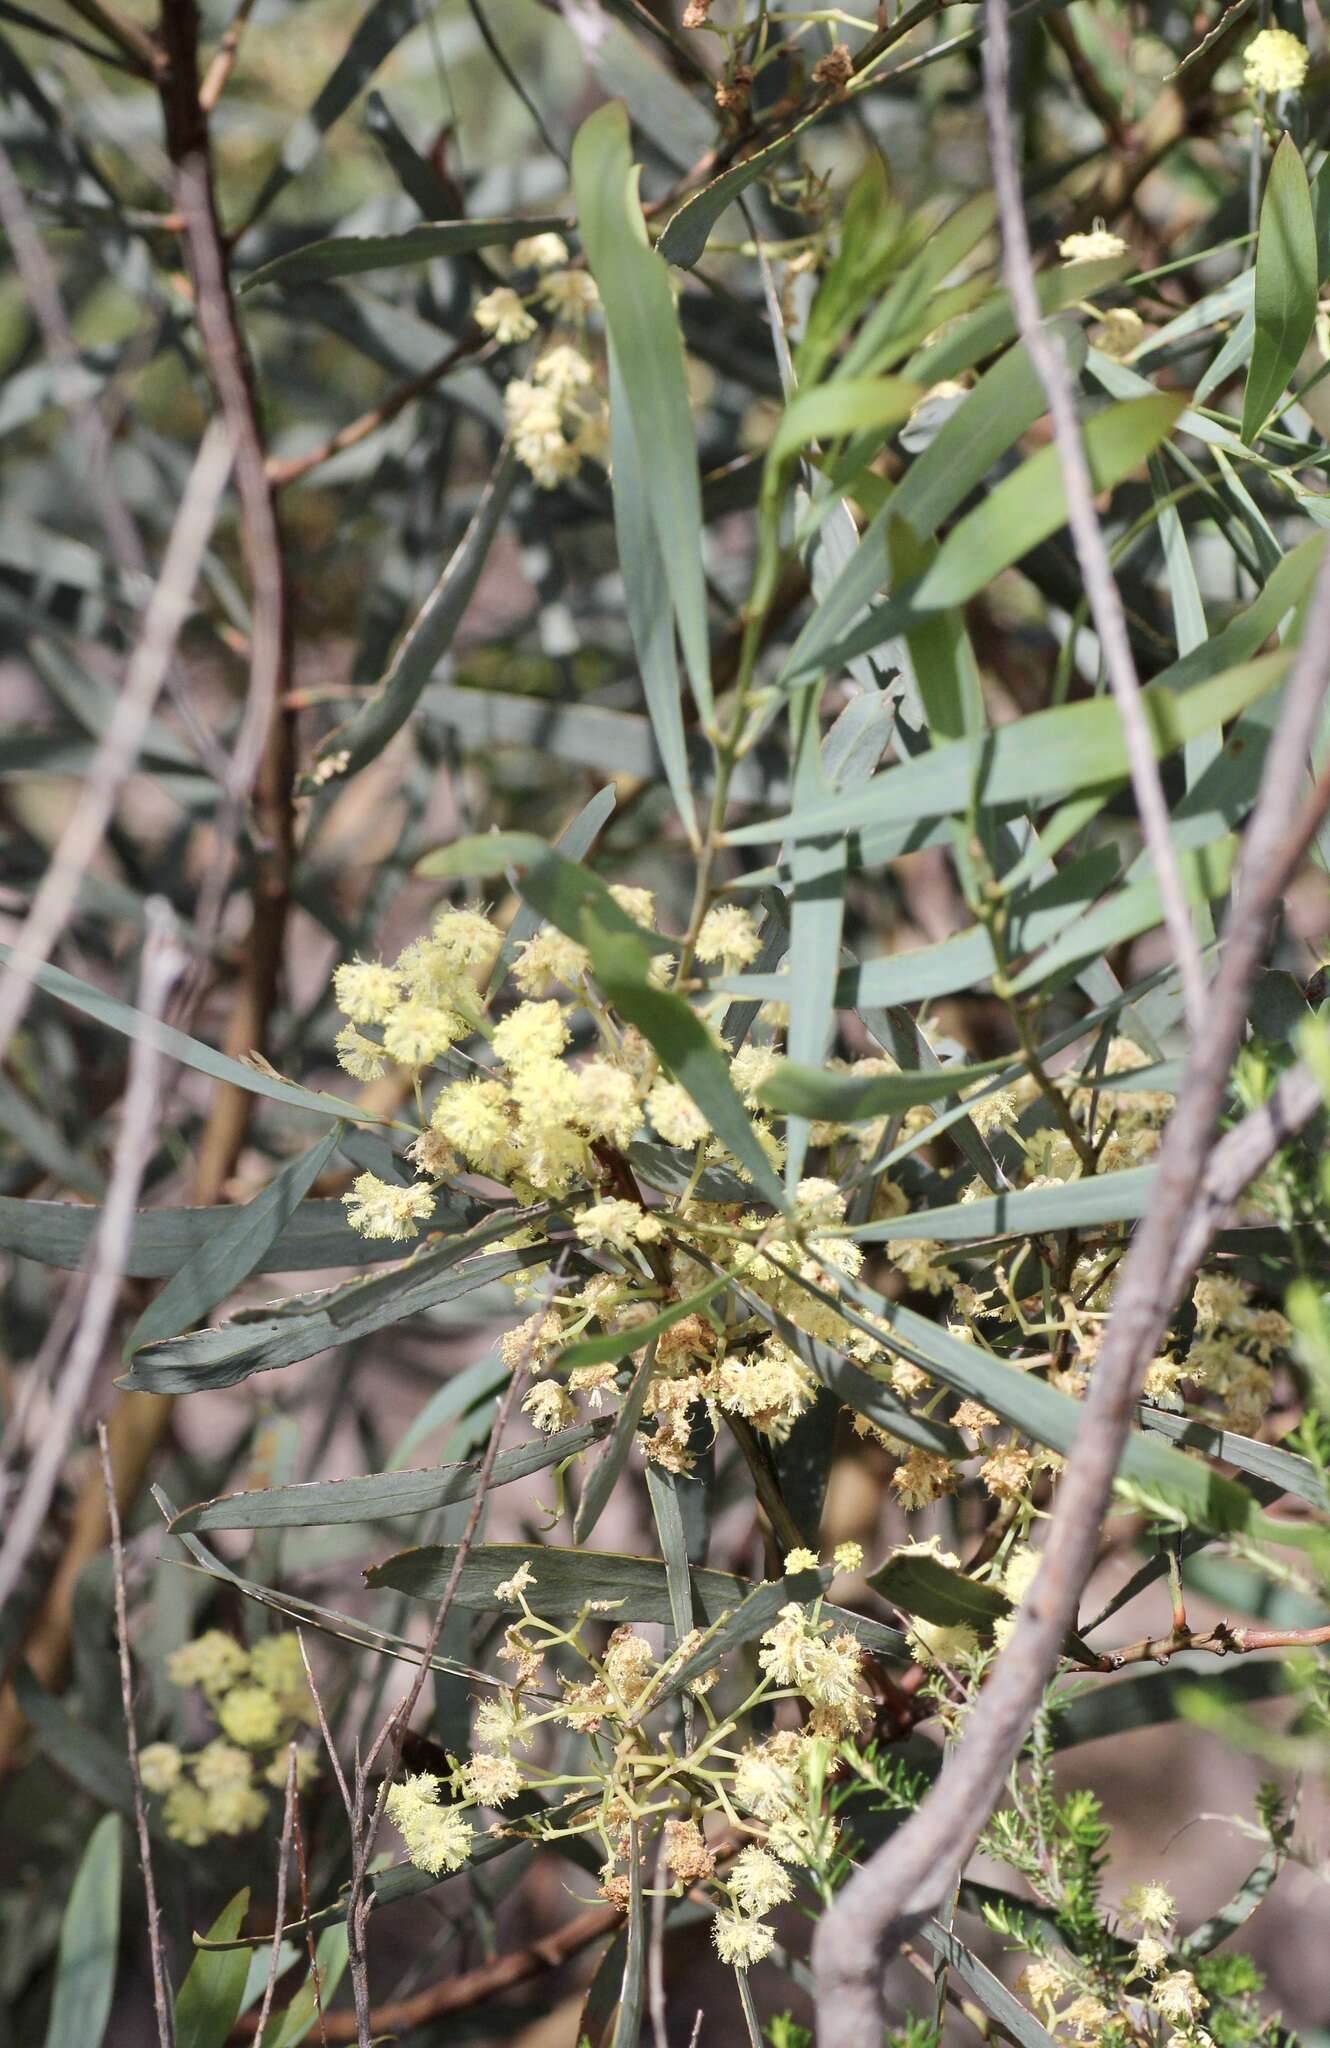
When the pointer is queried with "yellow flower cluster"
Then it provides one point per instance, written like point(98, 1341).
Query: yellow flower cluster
point(634, 1784)
point(260, 1698)
point(555, 415)
point(1275, 61)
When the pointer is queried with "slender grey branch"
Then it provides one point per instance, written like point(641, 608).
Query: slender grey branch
point(1087, 536)
point(904, 1882)
point(163, 963)
point(283, 1861)
point(167, 610)
point(366, 1819)
point(160, 1997)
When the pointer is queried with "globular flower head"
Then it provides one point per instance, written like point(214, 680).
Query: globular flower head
point(185, 1814)
point(1178, 1998)
point(1275, 61)
point(729, 935)
point(364, 1059)
point(438, 1838)
point(1149, 1904)
point(366, 990)
point(1092, 247)
point(540, 252)
point(377, 1208)
point(531, 1031)
point(416, 1032)
point(490, 1780)
point(502, 314)
point(160, 1765)
point(251, 1715)
point(758, 1881)
point(549, 1406)
point(571, 294)
point(676, 1117)
point(606, 1102)
point(616, 1224)
point(472, 1116)
point(213, 1661)
point(687, 1857)
point(741, 1942)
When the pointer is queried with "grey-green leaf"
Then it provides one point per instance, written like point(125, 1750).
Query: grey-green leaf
point(1286, 283)
point(89, 1940)
point(232, 1252)
point(209, 2001)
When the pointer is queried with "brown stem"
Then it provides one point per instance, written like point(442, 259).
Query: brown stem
point(289, 469)
point(470, 1987)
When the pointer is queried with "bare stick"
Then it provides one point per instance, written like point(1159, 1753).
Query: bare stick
point(160, 1999)
point(163, 963)
point(168, 608)
point(217, 73)
point(366, 1820)
point(902, 1884)
point(283, 1860)
point(461, 1992)
point(1087, 537)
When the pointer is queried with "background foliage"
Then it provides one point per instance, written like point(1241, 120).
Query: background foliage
point(821, 642)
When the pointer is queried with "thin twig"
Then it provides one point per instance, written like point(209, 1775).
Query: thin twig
point(41, 288)
point(462, 1991)
point(283, 470)
point(163, 963)
point(224, 57)
point(168, 608)
point(660, 2032)
point(901, 1885)
point(160, 1997)
point(137, 45)
point(1087, 537)
point(283, 1860)
point(367, 1820)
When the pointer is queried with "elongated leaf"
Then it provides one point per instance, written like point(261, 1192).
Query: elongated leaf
point(646, 599)
point(1024, 1212)
point(1170, 1482)
point(228, 1258)
point(89, 1758)
point(352, 255)
point(221, 1357)
point(1036, 758)
point(755, 1614)
point(1287, 273)
point(664, 1493)
point(1028, 506)
point(377, 33)
point(572, 844)
point(991, 326)
point(379, 1496)
point(568, 1579)
point(559, 889)
point(621, 964)
point(852, 405)
point(1014, 2019)
point(286, 2028)
point(163, 1240)
point(644, 333)
point(1255, 1887)
point(686, 232)
point(923, 1585)
point(209, 2001)
point(617, 1344)
point(177, 1045)
point(1143, 1699)
point(89, 1939)
point(603, 1477)
point(363, 737)
point(1137, 907)
point(632, 1991)
point(802, 1091)
point(1281, 1469)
